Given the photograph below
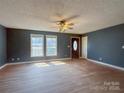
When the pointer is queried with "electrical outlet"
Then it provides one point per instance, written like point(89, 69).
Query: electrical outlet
point(12, 59)
point(122, 46)
point(18, 59)
point(100, 58)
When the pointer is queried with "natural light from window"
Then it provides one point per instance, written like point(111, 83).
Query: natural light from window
point(37, 45)
point(52, 63)
point(57, 63)
point(51, 45)
point(42, 64)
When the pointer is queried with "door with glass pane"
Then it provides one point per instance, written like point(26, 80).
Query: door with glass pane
point(75, 47)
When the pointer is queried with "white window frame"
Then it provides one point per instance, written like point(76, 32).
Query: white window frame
point(52, 36)
point(40, 35)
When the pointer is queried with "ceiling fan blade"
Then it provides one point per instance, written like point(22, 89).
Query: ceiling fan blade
point(71, 24)
point(71, 18)
point(54, 21)
point(70, 28)
point(59, 15)
point(67, 19)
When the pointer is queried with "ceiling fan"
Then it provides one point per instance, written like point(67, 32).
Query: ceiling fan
point(64, 23)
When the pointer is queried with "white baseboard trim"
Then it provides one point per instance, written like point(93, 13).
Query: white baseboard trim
point(105, 64)
point(83, 58)
point(1, 67)
point(38, 61)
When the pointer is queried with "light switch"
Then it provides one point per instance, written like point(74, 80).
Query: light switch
point(122, 46)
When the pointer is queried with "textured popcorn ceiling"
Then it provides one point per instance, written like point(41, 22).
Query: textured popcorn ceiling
point(39, 14)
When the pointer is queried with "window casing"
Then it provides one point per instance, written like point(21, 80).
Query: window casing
point(51, 45)
point(37, 45)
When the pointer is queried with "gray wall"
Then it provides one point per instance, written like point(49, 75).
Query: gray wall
point(2, 45)
point(18, 44)
point(107, 44)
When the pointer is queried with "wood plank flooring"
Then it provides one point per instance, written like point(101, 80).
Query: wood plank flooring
point(70, 76)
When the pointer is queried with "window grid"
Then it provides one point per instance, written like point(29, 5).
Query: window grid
point(51, 45)
point(37, 45)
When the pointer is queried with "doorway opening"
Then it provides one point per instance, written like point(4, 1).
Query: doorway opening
point(75, 47)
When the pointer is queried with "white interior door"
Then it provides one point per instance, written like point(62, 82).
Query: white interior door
point(84, 46)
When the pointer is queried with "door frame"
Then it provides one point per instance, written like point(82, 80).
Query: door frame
point(71, 45)
point(84, 47)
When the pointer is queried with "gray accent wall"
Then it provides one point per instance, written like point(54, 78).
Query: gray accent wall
point(18, 45)
point(106, 45)
point(2, 45)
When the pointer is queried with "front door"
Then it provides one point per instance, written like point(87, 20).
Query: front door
point(75, 47)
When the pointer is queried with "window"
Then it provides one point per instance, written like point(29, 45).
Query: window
point(51, 45)
point(75, 45)
point(37, 45)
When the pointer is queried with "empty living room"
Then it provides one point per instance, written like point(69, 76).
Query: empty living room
point(61, 46)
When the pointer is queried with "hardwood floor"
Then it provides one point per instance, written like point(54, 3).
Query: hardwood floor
point(70, 76)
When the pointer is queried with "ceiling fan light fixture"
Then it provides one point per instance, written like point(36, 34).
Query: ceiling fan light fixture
point(63, 25)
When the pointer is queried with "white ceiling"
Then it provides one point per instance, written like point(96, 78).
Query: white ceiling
point(38, 14)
